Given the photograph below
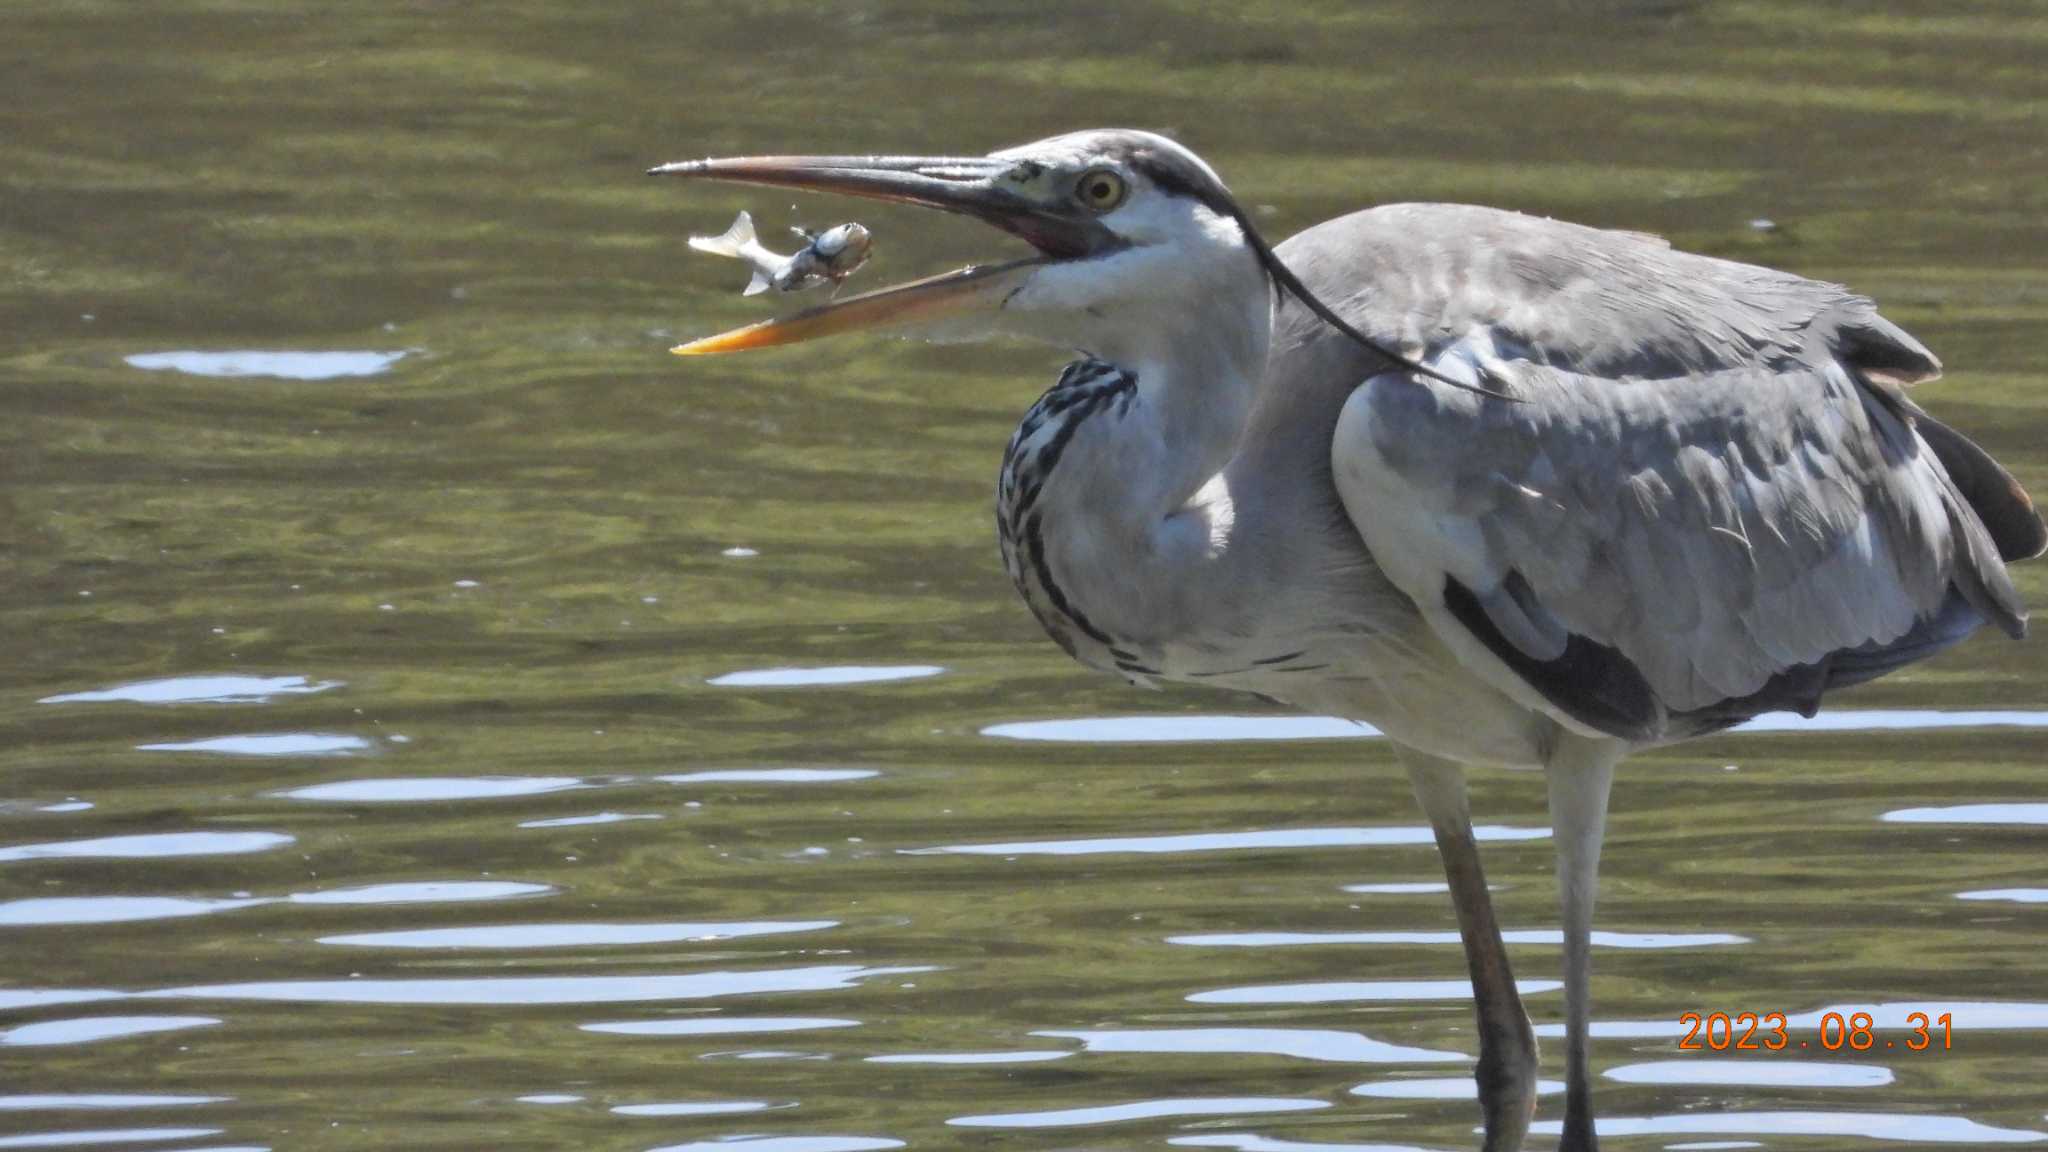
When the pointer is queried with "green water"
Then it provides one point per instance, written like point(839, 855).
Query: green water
point(503, 563)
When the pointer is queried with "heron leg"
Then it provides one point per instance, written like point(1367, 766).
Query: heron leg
point(1578, 771)
point(1507, 1047)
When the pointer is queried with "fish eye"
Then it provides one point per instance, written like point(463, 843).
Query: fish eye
point(1100, 190)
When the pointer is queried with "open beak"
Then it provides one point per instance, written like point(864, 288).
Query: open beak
point(981, 187)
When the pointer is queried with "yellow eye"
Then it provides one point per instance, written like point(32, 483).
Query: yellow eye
point(1100, 190)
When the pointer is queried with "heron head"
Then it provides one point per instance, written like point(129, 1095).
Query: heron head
point(1129, 229)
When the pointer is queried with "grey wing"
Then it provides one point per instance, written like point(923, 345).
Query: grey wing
point(1711, 499)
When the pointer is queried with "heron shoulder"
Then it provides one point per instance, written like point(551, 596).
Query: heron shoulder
point(1599, 301)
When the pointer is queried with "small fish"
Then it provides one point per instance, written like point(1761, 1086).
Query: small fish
point(830, 256)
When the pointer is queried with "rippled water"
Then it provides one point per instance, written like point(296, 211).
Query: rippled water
point(437, 718)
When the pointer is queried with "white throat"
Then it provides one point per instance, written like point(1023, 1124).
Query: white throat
point(1115, 515)
point(1191, 321)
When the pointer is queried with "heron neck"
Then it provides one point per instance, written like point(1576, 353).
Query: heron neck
point(1116, 522)
point(1197, 375)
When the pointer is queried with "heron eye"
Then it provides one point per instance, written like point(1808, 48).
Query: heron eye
point(1100, 190)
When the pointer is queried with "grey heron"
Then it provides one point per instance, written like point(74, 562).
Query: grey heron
point(1515, 491)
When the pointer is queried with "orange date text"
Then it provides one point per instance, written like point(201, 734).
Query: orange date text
point(1768, 1032)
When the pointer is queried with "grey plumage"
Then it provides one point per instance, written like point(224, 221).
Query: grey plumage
point(1515, 491)
point(1712, 471)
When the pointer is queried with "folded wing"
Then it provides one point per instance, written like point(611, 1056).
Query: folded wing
point(1712, 498)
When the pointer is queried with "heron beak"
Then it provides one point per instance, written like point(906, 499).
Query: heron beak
point(982, 187)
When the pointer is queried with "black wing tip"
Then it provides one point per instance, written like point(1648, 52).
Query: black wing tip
point(1886, 352)
point(1591, 683)
point(2008, 514)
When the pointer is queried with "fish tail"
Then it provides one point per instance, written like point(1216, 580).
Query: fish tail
point(736, 240)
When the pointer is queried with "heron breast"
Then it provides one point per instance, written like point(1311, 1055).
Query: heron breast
point(1085, 390)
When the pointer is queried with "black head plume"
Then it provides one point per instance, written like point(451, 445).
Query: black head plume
point(1176, 174)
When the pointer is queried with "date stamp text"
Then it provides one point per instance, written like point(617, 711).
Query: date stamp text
point(1856, 1032)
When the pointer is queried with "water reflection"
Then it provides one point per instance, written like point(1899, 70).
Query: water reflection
point(1181, 729)
point(2012, 895)
point(969, 1058)
point(100, 1101)
point(197, 689)
point(1601, 939)
point(682, 1108)
point(536, 990)
point(1967, 1015)
point(430, 789)
point(424, 892)
point(821, 677)
point(104, 1136)
point(787, 1144)
point(550, 1098)
point(1249, 1142)
point(1622, 1029)
point(281, 365)
point(275, 744)
point(1301, 1043)
point(1444, 1088)
point(1227, 841)
point(593, 818)
point(1753, 1073)
point(1171, 729)
point(436, 789)
point(1359, 991)
point(718, 1025)
point(91, 1029)
point(574, 935)
point(1139, 1110)
point(769, 776)
point(110, 909)
point(1408, 888)
point(12, 998)
point(1862, 1125)
point(1892, 720)
point(1971, 814)
point(149, 846)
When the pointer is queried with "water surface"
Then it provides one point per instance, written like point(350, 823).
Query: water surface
point(437, 718)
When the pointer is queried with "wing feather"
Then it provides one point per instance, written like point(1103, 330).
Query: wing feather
point(1711, 490)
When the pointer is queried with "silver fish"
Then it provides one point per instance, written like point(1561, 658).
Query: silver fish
point(828, 257)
